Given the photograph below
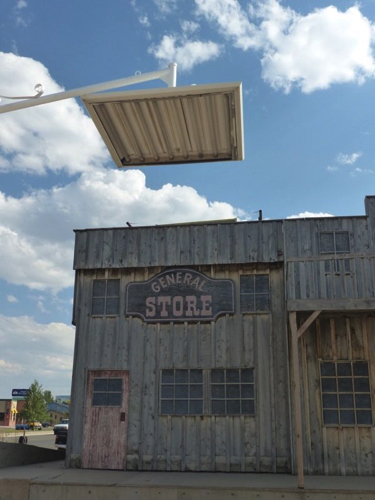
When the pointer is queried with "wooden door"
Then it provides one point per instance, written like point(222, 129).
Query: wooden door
point(106, 418)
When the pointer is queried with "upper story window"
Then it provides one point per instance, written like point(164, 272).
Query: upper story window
point(106, 298)
point(255, 293)
point(346, 394)
point(334, 242)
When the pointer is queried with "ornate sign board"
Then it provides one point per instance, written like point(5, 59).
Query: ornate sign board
point(180, 295)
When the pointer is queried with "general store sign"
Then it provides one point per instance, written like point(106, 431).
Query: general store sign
point(180, 295)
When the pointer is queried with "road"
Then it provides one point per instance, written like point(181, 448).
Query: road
point(43, 440)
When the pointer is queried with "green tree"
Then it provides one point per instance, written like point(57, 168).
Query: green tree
point(35, 409)
point(48, 398)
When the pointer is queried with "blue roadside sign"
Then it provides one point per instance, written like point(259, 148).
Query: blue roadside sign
point(19, 392)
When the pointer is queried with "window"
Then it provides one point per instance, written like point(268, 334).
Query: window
point(181, 392)
point(232, 392)
point(254, 293)
point(106, 298)
point(2, 416)
point(346, 396)
point(335, 242)
point(107, 392)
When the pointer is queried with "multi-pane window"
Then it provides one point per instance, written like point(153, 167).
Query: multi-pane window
point(181, 392)
point(346, 395)
point(335, 242)
point(254, 293)
point(232, 391)
point(107, 392)
point(106, 298)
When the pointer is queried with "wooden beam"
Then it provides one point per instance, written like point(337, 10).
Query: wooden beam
point(301, 330)
point(297, 399)
point(346, 305)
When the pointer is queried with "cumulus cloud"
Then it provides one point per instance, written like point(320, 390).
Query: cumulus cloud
point(40, 224)
point(348, 159)
point(30, 350)
point(186, 53)
point(52, 137)
point(310, 52)
point(12, 299)
point(305, 215)
point(189, 26)
point(166, 6)
point(144, 21)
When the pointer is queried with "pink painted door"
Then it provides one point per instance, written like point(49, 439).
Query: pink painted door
point(106, 419)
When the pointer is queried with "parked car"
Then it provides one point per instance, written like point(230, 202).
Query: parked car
point(22, 427)
point(62, 426)
point(46, 424)
point(35, 425)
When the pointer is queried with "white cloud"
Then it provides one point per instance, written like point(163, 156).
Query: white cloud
point(310, 52)
point(30, 350)
point(40, 224)
point(186, 53)
point(332, 168)
point(305, 215)
point(361, 171)
point(189, 26)
point(55, 137)
point(348, 159)
point(166, 6)
point(144, 21)
point(12, 299)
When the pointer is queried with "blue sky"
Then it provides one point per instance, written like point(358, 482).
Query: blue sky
point(307, 70)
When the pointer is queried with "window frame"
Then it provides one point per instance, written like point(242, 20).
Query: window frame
point(105, 297)
point(107, 392)
point(255, 294)
point(227, 398)
point(336, 393)
point(175, 383)
point(334, 252)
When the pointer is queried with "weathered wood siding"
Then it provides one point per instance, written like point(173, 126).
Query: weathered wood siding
point(193, 245)
point(199, 443)
point(336, 450)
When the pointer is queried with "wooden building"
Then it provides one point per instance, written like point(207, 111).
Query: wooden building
point(230, 346)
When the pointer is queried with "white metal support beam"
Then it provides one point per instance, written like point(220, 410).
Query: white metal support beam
point(169, 76)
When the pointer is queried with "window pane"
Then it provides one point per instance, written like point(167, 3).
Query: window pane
point(115, 384)
point(233, 407)
point(247, 284)
point(217, 376)
point(98, 307)
point(329, 401)
point(262, 302)
point(248, 407)
point(218, 407)
point(344, 369)
point(99, 288)
point(327, 369)
point(196, 391)
point(364, 417)
point(247, 391)
point(112, 306)
point(196, 407)
point(233, 391)
point(361, 385)
point(331, 416)
point(99, 399)
point(167, 407)
point(100, 384)
point(326, 243)
point(113, 288)
point(347, 417)
point(182, 376)
point(360, 368)
point(181, 391)
point(345, 385)
point(346, 401)
point(247, 303)
point(329, 385)
point(247, 375)
point(218, 391)
point(342, 242)
point(167, 391)
point(363, 401)
point(167, 376)
point(181, 407)
point(262, 284)
point(114, 398)
point(232, 376)
point(196, 376)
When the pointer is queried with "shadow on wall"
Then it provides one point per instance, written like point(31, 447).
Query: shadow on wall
point(14, 454)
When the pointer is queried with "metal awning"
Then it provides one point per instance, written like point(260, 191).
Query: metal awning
point(198, 123)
